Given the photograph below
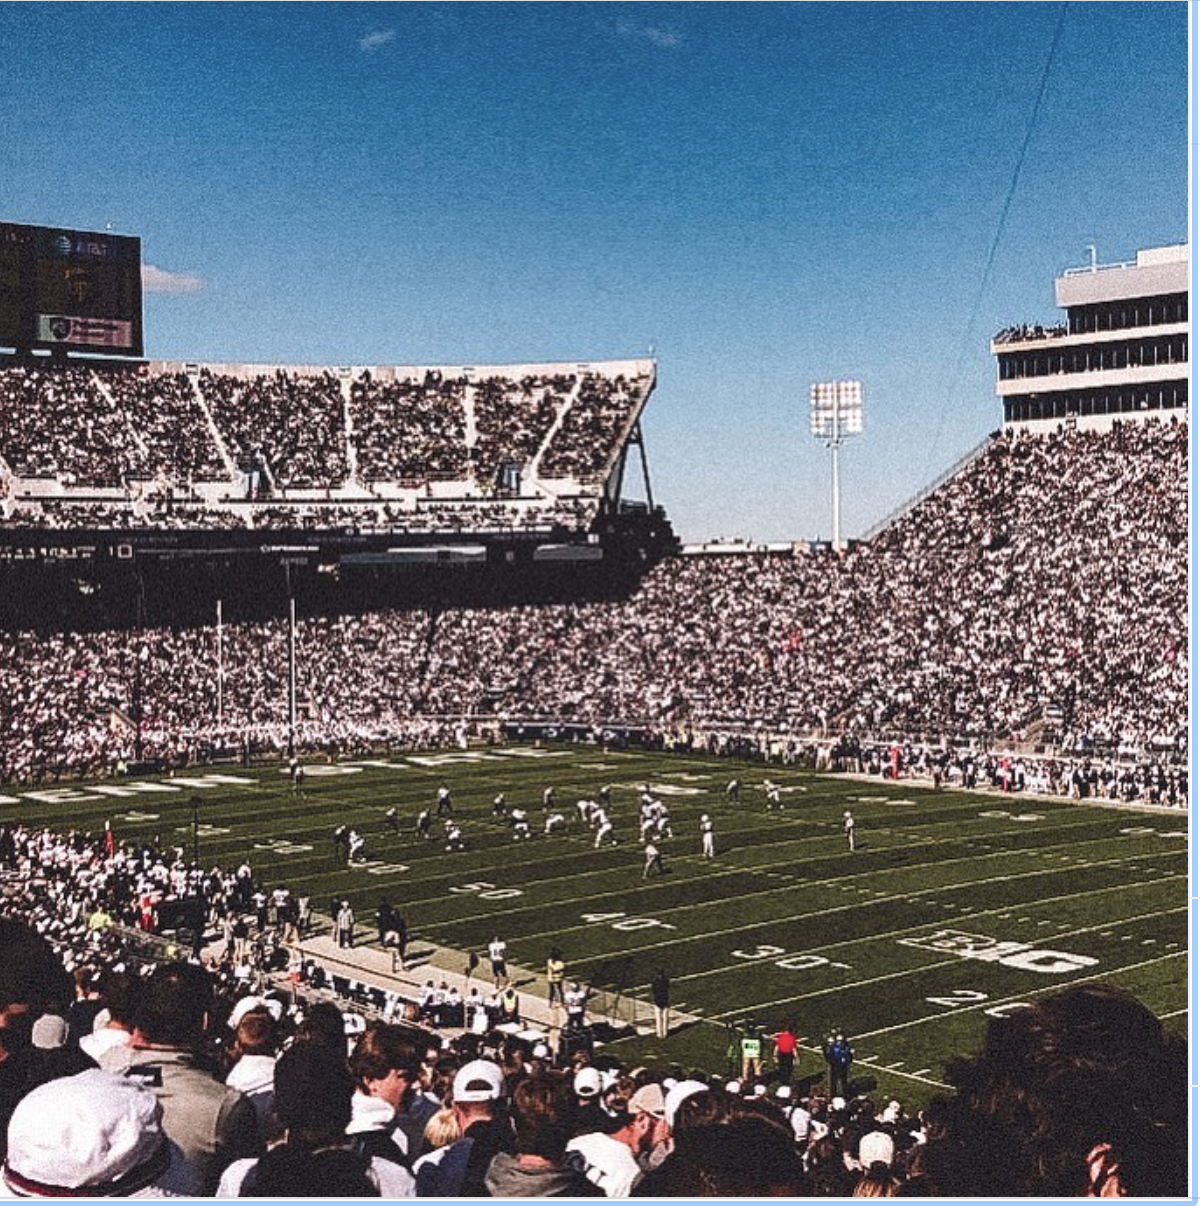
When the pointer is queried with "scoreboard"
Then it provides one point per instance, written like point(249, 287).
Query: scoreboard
point(74, 290)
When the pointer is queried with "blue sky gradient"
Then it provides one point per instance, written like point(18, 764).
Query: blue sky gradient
point(767, 194)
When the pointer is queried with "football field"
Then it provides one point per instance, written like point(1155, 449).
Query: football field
point(953, 906)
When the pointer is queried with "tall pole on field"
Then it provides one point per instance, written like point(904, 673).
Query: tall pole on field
point(220, 667)
point(291, 673)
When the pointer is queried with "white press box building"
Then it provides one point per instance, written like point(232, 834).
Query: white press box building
point(1122, 352)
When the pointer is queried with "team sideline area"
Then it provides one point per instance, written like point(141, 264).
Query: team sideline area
point(953, 907)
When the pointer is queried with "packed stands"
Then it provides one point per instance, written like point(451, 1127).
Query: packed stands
point(184, 447)
point(60, 425)
point(293, 425)
point(410, 430)
point(1037, 598)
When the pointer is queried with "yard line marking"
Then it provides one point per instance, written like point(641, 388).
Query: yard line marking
point(844, 908)
point(842, 944)
point(896, 975)
point(836, 883)
point(1017, 997)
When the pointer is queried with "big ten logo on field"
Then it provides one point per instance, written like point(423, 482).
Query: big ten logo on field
point(1022, 956)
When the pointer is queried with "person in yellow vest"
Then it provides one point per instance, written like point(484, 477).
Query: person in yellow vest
point(751, 1046)
point(556, 972)
point(510, 1005)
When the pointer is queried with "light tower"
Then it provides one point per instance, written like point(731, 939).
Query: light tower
point(836, 411)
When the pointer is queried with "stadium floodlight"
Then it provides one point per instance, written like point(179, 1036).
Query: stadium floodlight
point(835, 412)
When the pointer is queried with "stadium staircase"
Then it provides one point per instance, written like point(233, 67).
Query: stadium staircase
point(214, 431)
point(535, 466)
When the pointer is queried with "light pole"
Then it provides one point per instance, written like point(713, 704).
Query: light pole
point(835, 412)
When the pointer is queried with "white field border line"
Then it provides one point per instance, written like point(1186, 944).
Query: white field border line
point(962, 919)
point(876, 874)
point(1056, 986)
point(916, 971)
point(841, 908)
point(1175, 1013)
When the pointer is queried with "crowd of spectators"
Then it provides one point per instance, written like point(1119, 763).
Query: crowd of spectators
point(513, 418)
point(58, 423)
point(167, 415)
point(125, 1077)
point(284, 435)
point(292, 423)
point(591, 430)
point(1025, 330)
point(1037, 599)
point(410, 430)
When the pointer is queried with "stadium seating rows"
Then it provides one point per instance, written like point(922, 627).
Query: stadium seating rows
point(1039, 593)
point(148, 439)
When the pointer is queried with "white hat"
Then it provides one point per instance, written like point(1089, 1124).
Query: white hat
point(480, 1080)
point(733, 1086)
point(784, 1092)
point(49, 1032)
point(677, 1095)
point(588, 1082)
point(96, 1131)
point(875, 1146)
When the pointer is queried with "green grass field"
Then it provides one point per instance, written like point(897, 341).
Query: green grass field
point(953, 907)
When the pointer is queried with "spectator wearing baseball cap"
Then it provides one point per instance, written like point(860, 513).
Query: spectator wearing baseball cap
point(588, 1084)
point(458, 1170)
point(95, 1135)
point(611, 1160)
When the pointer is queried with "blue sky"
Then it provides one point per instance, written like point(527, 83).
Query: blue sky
point(767, 194)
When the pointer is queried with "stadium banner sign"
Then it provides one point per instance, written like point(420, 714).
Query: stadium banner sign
point(84, 332)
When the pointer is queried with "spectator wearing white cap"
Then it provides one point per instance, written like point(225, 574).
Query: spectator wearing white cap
point(610, 1159)
point(588, 1084)
point(32, 979)
point(458, 1170)
point(93, 1135)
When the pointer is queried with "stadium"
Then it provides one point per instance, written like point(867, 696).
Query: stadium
point(373, 722)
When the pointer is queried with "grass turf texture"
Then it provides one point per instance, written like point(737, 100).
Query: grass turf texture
point(945, 912)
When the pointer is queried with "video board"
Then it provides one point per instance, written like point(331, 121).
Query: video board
point(75, 290)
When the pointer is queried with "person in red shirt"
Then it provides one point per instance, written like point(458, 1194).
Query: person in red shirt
point(785, 1052)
